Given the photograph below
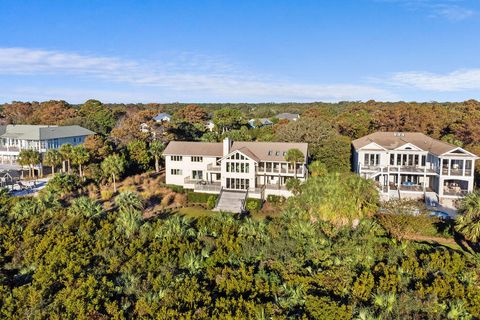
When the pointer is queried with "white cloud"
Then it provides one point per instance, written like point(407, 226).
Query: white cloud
point(452, 10)
point(185, 77)
point(459, 80)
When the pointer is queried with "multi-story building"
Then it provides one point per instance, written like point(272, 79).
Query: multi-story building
point(15, 138)
point(257, 167)
point(413, 165)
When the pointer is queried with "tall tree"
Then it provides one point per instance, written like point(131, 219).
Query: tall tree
point(66, 153)
point(113, 166)
point(52, 158)
point(138, 152)
point(156, 150)
point(97, 117)
point(80, 156)
point(191, 114)
point(294, 156)
point(227, 119)
point(30, 158)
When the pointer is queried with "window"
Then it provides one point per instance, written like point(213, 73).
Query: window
point(424, 161)
point(197, 159)
point(176, 158)
point(176, 172)
point(392, 159)
point(270, 152)
point(277, 153)
point(371, 159)
point(197, 174)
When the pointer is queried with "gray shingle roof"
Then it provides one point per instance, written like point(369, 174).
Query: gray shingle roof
point(264, 151)
point(42, 132)
point(393, 140)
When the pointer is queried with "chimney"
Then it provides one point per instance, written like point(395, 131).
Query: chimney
point(227, 143)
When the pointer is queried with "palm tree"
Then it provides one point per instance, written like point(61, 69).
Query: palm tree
point(80, 156)
point(129, 221)
point(129, 200)
point(30, 158)
point(294, 156)
point(113, 166)
point(317, 169)
point(66, 152)
point(156, 149)
point(468, 222)
point(52, 158)
point(85, 206)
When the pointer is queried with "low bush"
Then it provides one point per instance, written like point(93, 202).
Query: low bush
point(402, 225)
point(174, 188)
point(275, 199)
point(211, 202)
point(196, 197)
point(253, 205)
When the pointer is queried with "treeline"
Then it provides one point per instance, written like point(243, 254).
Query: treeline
point(329, 128)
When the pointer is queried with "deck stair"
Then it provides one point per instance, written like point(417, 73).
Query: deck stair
point(231, 201)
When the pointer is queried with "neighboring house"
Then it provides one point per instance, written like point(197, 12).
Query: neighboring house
point(288, 116)
point(257, 167)
point(260, 122)
point(9, 177)
point(413, 165)
point(163, 117)
point(210, 125)
point(15, 138)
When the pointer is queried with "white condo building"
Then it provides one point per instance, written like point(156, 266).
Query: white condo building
point(413, 165)
point(256, 168)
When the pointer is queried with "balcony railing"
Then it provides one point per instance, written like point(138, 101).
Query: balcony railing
point(213, 167)
point(392, 168)
point(457, 172)
point(208, 186)
point(455, 193)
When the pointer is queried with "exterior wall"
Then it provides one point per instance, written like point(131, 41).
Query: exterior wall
point(187, 166)
point(432, 174)
point(250, 175)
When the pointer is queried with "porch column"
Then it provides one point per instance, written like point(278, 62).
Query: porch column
point(449, 166)
point(463, 167)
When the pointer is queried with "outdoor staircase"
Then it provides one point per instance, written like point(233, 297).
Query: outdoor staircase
point(231, 201)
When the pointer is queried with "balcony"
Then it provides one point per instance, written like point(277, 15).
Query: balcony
point(457, 172)
point(214, 167)
point(204, 186)
point(9, 149)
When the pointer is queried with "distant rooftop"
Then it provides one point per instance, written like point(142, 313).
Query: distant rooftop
point(42, 132)
point(287, 116)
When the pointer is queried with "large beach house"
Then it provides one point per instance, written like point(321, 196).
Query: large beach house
point(414, 165)
point(233, 168)
point(15, 138)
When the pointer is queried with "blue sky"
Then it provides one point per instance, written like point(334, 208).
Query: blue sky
point(240, 51)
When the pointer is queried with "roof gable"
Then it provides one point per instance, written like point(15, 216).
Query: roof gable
point(409, 146)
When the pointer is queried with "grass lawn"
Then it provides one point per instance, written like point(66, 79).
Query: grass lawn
point(196, 212)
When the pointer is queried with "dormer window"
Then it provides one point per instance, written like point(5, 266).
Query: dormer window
point(277, 153)
point(270, 152)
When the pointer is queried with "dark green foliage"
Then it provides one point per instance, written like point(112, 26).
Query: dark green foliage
point(63, 184)
point(197, 197)
point(175, 188)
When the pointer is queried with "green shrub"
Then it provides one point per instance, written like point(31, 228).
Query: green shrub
point(196, 197)
point(63, 184)
point(275, 199)
point(175, 188)
point(211, 202)
point(253, 205)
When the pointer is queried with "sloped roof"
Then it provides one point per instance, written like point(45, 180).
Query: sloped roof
point(393, 140)
point(288, 116)
point(193, 148)
point(270, 151)
point(258, 151)
point(42, 132)
point(161, 116)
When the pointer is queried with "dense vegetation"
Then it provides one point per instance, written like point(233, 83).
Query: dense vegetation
point(68, 257)
point(105, 240)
